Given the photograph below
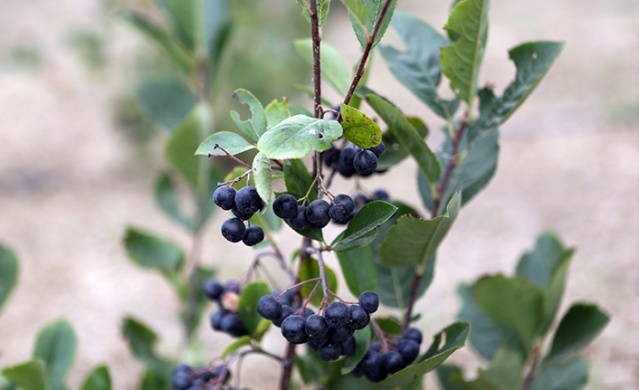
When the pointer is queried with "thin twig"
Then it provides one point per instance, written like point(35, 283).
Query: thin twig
point(452, 163)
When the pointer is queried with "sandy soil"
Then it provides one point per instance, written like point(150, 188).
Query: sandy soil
point(70, 183)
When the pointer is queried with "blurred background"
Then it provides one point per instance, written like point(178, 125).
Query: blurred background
point(79, 153)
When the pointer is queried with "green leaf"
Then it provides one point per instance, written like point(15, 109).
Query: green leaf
point(322, 10)
point(194, 302)
point(461, 60)
point(579, 326)
point(8, 272)
point(365, 29)
point(29, 375)
point(533, 60)
point(413, 241)
point(155, 379)
point(276, 112)
point(167, 198)
point(247, 305)
point(255, 126)
point(231, 142)
point(394, 283)
point(455, 336)
point(298, 135)
point(153, 252)
point(362, 342)
point(359, 129)
point(312, 233)
point(161, 38)
point(335, 71)
point(297, 179)
point(364, 224)
point(263, 177)
point(418, 67)
point(547, 267)
point(167, 101)
point(505, 373)
point(390, 325)
point(395, 152)
point(184, 141)
point(142, 342)
point(471, 175)
point(235, 345)
point(513, 304)
point(358, 268)
point(407, 136)
point(56, 345)
point(571, 375)
point(97, 379)
point(358, 10)
point(311, 368)
point(310, 270)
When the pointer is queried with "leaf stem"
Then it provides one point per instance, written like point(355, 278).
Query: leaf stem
point(452, 164)
point(533, 369)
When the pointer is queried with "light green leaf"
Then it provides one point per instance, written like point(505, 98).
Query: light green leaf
point(359, 11)
point(56, 345)
point(166, 197)
point(150, 251)
point(29, 375)
point(461, 61)
point(276, 112)
point(364, 31)
point(418, 67)
point(310, 270)
point(579, 326)
point(263, 177)
point(571, 375)
point(413, 241)
point(255, 126)
point(8, 272)
point(167, 101)
point(235, 345)
point(358, 268)
point(407, 136)
point(231, 142)
point(298, 135)
point(247, 306)
point(334, 70)
point(364, 224)
point(359, 129)
point(97, 379)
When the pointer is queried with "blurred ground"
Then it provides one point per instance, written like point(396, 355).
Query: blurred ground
point(70, 182)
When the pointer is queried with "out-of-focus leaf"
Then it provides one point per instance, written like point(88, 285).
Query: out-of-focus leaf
point(167, 198)
point(183, 143)
point(167, 101)
point(8, 272)
point(29, 375)
point(276, 112)
point(247, 306)
point(334, 70)
point(98, 379)
point(56, 345)
point(570, 375)
point(505, 373)
point(153, 252)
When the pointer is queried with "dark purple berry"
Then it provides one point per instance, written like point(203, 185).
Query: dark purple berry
point(300, 221)
point(285, 206)
point(338, 213)
point(358, 316)
point(365, 162)
point(233, 229)
point(216, 319)
point(330, 352)
point(348, 346)
point(376, 346)
point(379, 149)
point(232, 324)
point(307, 312)
point(346, 201)
point(381, 195)
point(316, 327)
point(286, 298)
point(213, 289)
point(232, 287)
point(344, 170)
point(336, 314)
point(360, 200)
point(222, 371)
point(293, 329)
point(369, 301)
point(346, 158)
point(247, 200)
point(286, 312)
point(317, 213)
point(409, 350)
point(393, 361)
point(241, 215)
point(181, 380)
point(413, 334)
point(336, 335)
point(224, 197)
point(373, 366)
point(331, 157)
point(254, 235)
point(269, 308)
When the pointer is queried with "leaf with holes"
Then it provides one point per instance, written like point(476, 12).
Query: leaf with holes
point(255, 126)
point(359, 129)
point(298, 135)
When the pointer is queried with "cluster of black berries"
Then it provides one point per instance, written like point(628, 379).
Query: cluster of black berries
point(316, 215)
point(243, 204)
point(360, 200)
point(185, 377)
point(331, 335)
point(377, 365)
point(353, 159)
point(227, 297)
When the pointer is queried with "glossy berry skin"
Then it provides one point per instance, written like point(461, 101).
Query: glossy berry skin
point(413, 334)
point(232, 324)
point(247, 200)
point(316, 327)
point(346, 158)
point(346, 201)
point(293, 329)
point(369, 301)
point(233, 229)
point(181, 380)
point(393, 361)
point(379, 149)
point(365, 162)
point(300, 221)
point(317, 213)
point(336, 335)
point(373, 366)
point(330, 352)
point(213, 289)
point(359, 318)
point(409, 350)
point(344, 170)
point(286, 312)
point(224, 197)
point(269, 308)
point(336, 315)
point(348, 346)
point(338, 213)
point(331, 157)
point(285, 206)
point(254, 235)
point(241, 214)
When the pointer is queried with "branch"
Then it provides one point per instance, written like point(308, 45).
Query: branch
point(452, 164)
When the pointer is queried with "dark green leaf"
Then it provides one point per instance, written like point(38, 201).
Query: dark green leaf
point(167, 101)
point(461, 60)
point(579, 326)
point(248, 303)
point(395, 152)
point(512, 303)
point(358, 268)
point(407, 135)
point(181, 145)
point(28, 375)
point(413, 241)
point(263, 177)
point(298, 135)
point(418, 66)
point(364, 223)
point(297, 179)
point(311, 368)
point(97, 379)
point(362, 342)
point(255, 126)
point(455, 336)
point(394, 283)
point(358, 128)
point(310, 270)
point(141, 341)
point(235, 345)
point(153, 252)
point(335, 71)
point(276, 112)
point(195, 302)
point(363, 32)
point(390, 325)
point(571, 375)
point(8, 272)
point(167, 198)
point(56, 345)
point(231, 142)
point(505, 373)
point(157, 378)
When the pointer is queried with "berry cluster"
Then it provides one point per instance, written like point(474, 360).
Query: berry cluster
point(243, 204)
point(331, 335)
point(353, 159)
point(185, 377)
point(227, 297)
point(377, 365)
point(360, 200)
point(316, 215)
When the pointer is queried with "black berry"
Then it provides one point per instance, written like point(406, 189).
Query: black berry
point(381, 195)
point(413, 334)
point(254, 235)
point(317, 213)
point(285, 206)
point(331, 157)
point(300, 221)
point(269, 308)
point(293, 329)
point(369, 301)
point(330, 352)
point(216, 319)
point(358, 316)
point(409, 350)
point(244, 216)
point(224, 197)
point(365, 162)
point(346, 158)
point(346, 201)
point(213, 289)
point(348, 346)
point(336, 314)
point(233, 229)
point(247, 200)
point(335, 335)
point(232, 324)
point(379, 149)
point(316, 327)
point(286, 312)
point(393, 361)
